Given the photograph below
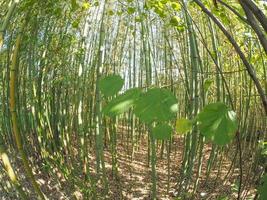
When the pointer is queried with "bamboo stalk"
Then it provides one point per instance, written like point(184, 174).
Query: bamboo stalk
point(17, 135)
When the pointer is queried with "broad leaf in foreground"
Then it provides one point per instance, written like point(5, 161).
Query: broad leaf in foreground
point(183, 125)
point(156, 105)
point(217, 123)
point(262, 190)
point(110, 85)
point(122, 103)
point(162, 132)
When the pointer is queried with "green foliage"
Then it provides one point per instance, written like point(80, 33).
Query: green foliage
point(235, 186)
point(176, 6)
point(165, 10)
point(175, 21)
point(207, 84)
point(110, 85)
point(263, 188)
point(74, 5)
point(157, 6)
point(183, 125)
point(222, 15)
point(122, 103)
point(156, 105)
point(263, 148)
point(60, 44)
point(223, 198)
point(86, 5)
point(217, 123)
point(110, 12)
point(162, 132)
point(131, 10)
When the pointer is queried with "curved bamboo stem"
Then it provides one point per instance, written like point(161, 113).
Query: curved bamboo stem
point(248, 66)
point(15, 128)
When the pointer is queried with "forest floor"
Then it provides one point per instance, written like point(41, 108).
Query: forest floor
point(133, 179)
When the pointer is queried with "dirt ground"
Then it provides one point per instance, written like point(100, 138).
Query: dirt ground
point(133, 178)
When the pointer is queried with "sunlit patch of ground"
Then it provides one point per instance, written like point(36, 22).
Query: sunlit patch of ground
point(133, 178)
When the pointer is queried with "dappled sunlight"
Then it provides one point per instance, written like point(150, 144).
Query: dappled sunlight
point(121, 105)
point(133, 99)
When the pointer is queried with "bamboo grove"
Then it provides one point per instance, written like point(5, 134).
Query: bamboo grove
point(58, 139)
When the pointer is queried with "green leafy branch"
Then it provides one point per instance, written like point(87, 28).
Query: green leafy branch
point(216, 121)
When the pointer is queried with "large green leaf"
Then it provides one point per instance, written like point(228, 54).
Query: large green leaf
point(110, 85)
point(218, 123)
point(156, 105)
point(262, 190)
point(162, 132)
point(122, 103)
point(183, 125)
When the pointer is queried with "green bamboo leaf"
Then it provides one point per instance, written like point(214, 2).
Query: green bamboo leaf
point(183, 125)
point(131, 10)
point(156, 105)
point(217, 123)
point(122, 103)
point(162, 132)
point(86, 5)
point(176, 6)
point(175, 21)
point(207, 84)
point(74, 5)
point(110, 85)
